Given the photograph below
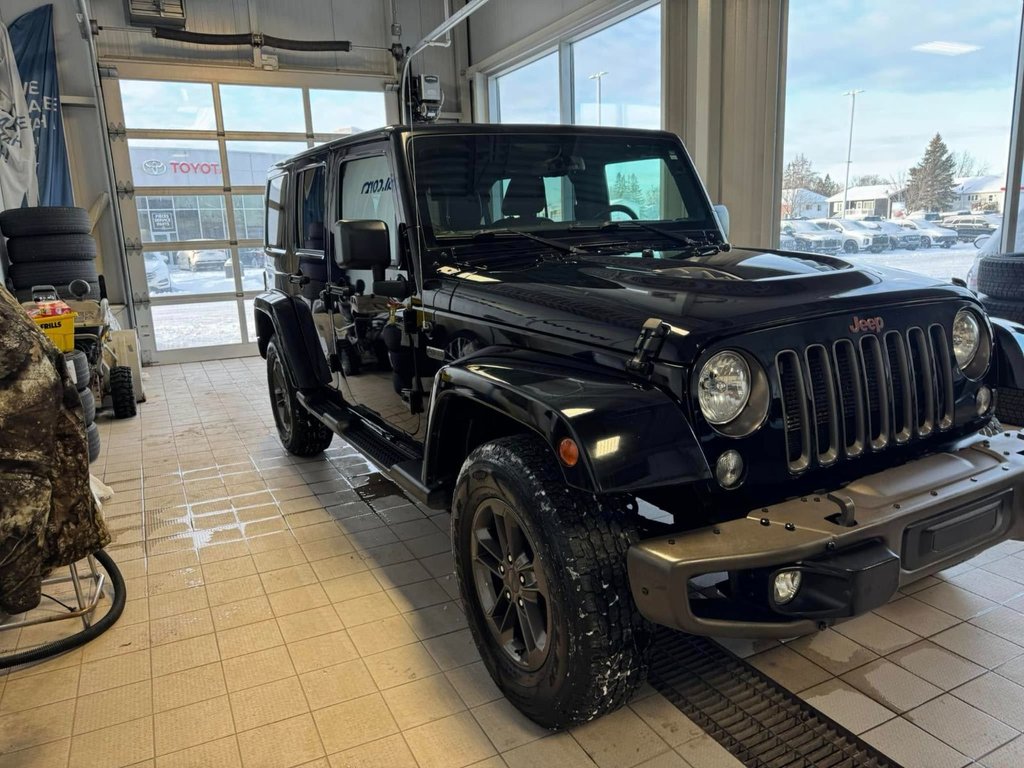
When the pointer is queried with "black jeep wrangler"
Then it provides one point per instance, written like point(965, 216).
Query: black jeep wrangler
point(633, 423)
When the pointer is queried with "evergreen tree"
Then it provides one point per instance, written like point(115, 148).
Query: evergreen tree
point(826, 186)
point(619, 187)
point(931, 180)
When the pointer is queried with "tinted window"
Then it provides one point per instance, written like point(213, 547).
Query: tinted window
point(310, 190)
point(275, 209)
point(367, 192)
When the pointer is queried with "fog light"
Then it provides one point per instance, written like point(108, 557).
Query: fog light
point(983, 400)
point(785, 586)
point(729, 469)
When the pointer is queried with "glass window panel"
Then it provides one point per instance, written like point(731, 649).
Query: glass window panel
point(175, 163)
point(311, 189)
point(636, 185)
point(617, 73)
point(183, 326)
point(168, 106)
point(275, 206)
point(262, 108)
point(195, 271)
point(186, 217)
point(345, 112)
point(530, 94)
point(254, 262)
point(930, 126)
point(249, 161)
point(367, 192)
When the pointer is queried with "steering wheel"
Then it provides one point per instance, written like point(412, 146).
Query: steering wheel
point(606, 212)
point(507, 220)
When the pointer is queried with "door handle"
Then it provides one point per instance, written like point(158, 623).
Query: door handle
point(298, 279)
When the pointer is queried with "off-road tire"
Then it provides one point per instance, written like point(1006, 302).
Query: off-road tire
point(92, 435)
point(1008, 310)
point(1010, 406)
point(46, 248)
point(45, 220)
point(300, 433)
point(59, 274)
point(598, 643)
point(1002, 277)
point(122, 392)
point(80, 363)
point(88, 406)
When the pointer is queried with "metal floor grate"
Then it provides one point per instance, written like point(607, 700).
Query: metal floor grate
point(761, 723)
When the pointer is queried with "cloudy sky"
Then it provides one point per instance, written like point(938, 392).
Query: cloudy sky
point(909, 95)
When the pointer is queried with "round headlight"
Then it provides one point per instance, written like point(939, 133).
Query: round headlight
point(723, 387)
point(966, 337)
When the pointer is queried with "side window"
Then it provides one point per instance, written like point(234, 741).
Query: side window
point(368, 192)
point(310, 222)
point(638, 185)
point(275, 212)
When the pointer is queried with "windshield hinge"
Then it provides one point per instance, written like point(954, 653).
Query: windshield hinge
point(648, 346)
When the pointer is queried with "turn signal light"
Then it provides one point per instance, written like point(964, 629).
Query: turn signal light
point(568, 452)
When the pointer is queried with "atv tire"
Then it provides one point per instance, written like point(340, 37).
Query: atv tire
point(122, 392)
point(45, 220)
point(1002, 277)
point(1010, 406)
point(1008, 310)
point(92, 435)
point(80, 363)
point(47, 248)
point(88, 406)
point(542, 573)
point(300, 433)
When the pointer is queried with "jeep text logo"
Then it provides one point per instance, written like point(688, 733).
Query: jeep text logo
point(377, 185)
point(873, 324)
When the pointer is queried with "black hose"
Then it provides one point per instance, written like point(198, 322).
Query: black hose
point(81, 638)
point(253, 39)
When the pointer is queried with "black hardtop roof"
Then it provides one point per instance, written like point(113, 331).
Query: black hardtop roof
point(454, 129)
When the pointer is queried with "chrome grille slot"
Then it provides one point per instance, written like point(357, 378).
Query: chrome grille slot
point(823, 403)
point(923, 375)
point(943, 376)
point(850, 390)
point(877, 391)
point(796, 414)
point(902, 387)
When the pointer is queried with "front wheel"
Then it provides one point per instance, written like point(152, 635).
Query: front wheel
point(300, 433)
point(926, 242)
point(850, 247)
point(542, 573)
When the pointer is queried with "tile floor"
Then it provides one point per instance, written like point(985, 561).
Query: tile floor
point(276, 618)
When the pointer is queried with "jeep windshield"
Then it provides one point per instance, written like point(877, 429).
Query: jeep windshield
point(562, 185)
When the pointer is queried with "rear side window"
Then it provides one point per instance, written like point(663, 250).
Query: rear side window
point(275, 212)
point(310, 222)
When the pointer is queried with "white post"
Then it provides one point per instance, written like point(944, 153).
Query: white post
point(597, 76)
point(849, 146)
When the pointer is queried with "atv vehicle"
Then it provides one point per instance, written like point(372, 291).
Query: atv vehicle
point(614, 409)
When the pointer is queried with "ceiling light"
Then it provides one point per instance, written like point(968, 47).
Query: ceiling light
point(944, 48)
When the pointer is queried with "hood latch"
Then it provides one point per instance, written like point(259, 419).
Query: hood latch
point(648, 346)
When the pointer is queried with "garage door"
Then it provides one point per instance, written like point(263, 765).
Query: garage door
point(191, 158)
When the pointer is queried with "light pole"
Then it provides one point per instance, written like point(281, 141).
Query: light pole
point(597, 76)
point(849, 146)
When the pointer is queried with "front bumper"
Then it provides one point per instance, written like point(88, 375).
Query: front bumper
point(910, 521)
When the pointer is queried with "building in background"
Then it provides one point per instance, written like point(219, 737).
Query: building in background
point(870, 200)
point(980, 194)
point(803, 203)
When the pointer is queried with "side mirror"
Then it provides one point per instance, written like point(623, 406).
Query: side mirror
point(722, 214)
point(362, 244)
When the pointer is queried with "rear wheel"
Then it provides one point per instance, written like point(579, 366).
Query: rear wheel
point(300, 433)
point(542, 573)
point(850, 247)
point(926, 242)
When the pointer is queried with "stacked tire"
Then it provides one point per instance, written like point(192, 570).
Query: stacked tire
point(78, 362)
point(50, 246)
point(1001, 283)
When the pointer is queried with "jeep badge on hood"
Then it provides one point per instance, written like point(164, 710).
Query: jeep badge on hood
point(861, 324)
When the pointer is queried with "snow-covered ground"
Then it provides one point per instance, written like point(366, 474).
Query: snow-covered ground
point(940, 263)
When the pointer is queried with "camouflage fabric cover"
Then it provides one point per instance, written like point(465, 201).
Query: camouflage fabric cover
point(48, 516)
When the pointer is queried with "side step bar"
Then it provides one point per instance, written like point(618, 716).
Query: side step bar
point(401, 463)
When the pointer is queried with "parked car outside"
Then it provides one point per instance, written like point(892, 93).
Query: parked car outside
point(967, 228)
point(931, 232)
point(898, 236)
point(856, 237)
point(808, 236)
point(158, 276)
point(195, 260)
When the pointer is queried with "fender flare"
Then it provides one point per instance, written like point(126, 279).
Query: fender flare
point(1008, 364)
point(631, 436)
point(292, 323)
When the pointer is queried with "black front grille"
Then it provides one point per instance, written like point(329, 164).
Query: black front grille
point(864, 394)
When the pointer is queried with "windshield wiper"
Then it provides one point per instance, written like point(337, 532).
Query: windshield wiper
point(484, 234)
point(706, 249)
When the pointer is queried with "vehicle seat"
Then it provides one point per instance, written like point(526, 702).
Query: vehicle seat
point(524, 198)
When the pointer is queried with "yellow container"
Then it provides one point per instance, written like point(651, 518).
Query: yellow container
point(60, 329)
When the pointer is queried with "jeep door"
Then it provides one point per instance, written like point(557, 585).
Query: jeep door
point(379, 359)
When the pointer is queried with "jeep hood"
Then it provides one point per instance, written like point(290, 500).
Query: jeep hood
point(603, 301)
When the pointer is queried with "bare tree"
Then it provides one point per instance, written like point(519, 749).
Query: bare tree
point(898, 190)
point(967, 165)
point(868, 179)
point(794, 200)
